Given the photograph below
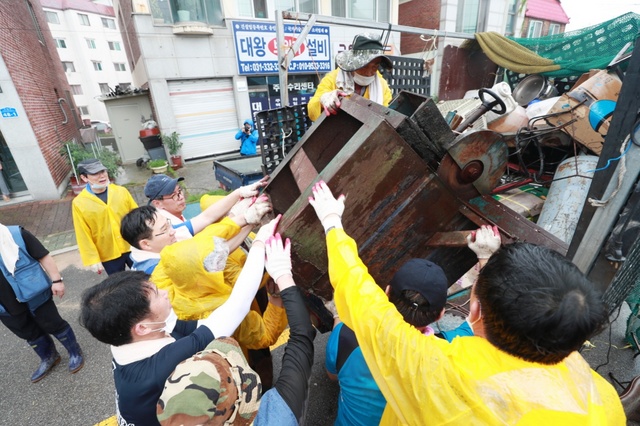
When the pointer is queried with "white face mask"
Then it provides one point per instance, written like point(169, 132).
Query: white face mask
point(169, 323)
point(361, 80)
point(98, 186)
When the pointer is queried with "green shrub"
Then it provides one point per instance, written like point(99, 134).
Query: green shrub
point(77, 153)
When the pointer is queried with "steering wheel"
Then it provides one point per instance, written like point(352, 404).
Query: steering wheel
point(494, 104)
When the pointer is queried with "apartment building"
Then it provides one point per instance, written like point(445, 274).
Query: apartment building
point(88, 41)
point(211, 64)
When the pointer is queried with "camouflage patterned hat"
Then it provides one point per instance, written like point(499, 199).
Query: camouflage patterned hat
point(215, 386)
point(365, 48)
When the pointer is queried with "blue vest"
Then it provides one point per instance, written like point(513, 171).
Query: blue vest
point(30, 282)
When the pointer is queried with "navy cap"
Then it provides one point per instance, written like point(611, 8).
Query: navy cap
point(160, 185)
point(426, 278)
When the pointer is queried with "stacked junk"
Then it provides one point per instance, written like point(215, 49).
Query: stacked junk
point(419, 176)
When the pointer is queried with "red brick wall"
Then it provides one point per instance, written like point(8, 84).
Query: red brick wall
point(420, 14)
point(36, 72)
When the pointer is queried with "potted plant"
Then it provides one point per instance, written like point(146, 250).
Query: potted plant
point(158, 165)
point(173, 144)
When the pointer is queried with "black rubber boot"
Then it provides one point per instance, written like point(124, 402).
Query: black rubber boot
point(68, 340)
point(48, 354)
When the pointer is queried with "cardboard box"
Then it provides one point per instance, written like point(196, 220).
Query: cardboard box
point(591, 104)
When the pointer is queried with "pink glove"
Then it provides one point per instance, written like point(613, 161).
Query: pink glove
point(485, 241)
point(278, 262)
point(252, 189)
point(328, 209)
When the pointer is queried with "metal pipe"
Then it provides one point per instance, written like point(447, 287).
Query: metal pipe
point(283, 76)
point(323, 19)
point(66, 119)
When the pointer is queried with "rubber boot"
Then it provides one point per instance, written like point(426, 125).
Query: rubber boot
point(68, 340)
point(47, 352)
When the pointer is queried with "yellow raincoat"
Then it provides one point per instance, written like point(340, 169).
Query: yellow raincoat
point(195, 293)
point(328, 83)
point(97, 225)
point(429, 381)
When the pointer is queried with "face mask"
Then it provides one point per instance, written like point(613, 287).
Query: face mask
point(169, 323)
point(98, 186)
point(361, 80)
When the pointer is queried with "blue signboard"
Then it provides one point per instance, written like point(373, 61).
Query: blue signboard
point(8, 112)
point(257, 48)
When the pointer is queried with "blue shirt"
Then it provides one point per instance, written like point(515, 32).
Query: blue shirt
point(360, 401)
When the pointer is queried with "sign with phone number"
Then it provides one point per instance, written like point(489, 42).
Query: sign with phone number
point(257, 48)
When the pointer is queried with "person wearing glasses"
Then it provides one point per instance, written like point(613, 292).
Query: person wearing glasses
point(166, 195)
point(195, 272)
point(97, 212)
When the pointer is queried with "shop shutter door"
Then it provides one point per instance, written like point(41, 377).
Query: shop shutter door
point(206, 116)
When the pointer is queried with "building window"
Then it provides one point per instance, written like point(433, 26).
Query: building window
point(76, 89)
point(512, 18)
point(554, 29)
point(52, 17)
point(68, 67)
point(472, 16)
point(36, 24)
point(97, 65)
point(91, 43)
point(60, 43)
point(104, 88)
point(375, 10)
point(119, 66)
point(84, 19)
point(114, 45)
point(84, 110)
point(252, 8)
point(304, 6)
point(109, 23)
point(208, 11)
point(535, 29)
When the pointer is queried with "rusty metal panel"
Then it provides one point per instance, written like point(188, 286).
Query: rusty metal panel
point(464, 69)
point(395, 201)
point(514, 226)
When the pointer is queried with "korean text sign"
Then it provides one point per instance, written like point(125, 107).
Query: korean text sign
point(257, 48)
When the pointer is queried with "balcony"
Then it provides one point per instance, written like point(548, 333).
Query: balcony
point(187, 16)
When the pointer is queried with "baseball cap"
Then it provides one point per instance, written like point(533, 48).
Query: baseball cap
point(215, 383)
point(424, 277)
point(160, 185)
point(90, 166)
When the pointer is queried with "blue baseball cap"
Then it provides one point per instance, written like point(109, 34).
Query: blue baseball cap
point(160, 185)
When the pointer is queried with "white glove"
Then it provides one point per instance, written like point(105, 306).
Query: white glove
point(485, 241)
point(328, 209)
point(97, 268)
point(239, 208)
point(255, 213)
point(331, 101)
point(267, 231)
point(251, 190)
point(278, 263)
